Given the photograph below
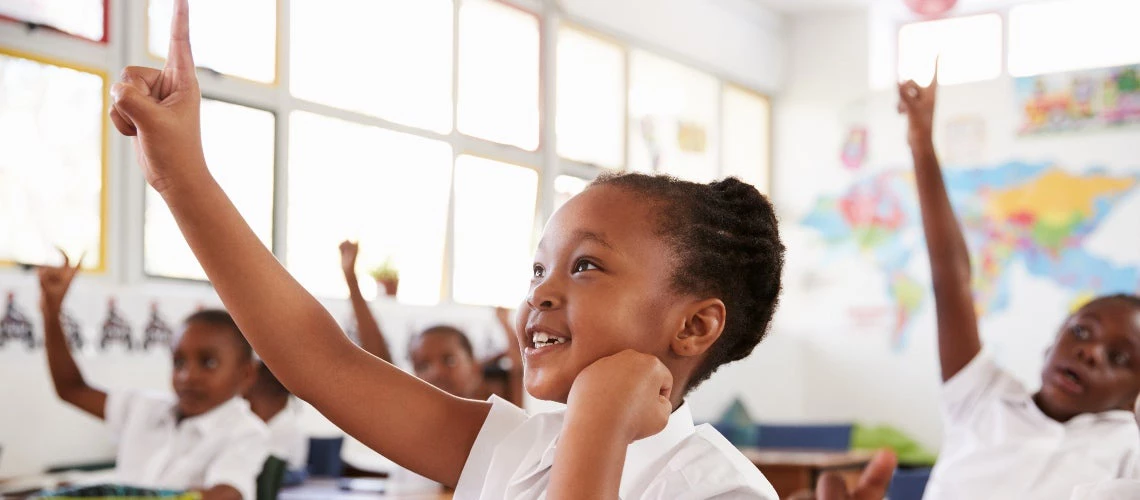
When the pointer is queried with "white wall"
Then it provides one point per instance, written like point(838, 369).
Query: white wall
point(734, 39)
point(850, 372)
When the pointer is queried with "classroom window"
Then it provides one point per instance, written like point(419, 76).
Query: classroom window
point(390, 59)
point(747, 138)
point(388, 190)
point(229, 37)
point(672, 118)
point(969, 49)
point(84, 18)
point(494, 224)
point(590, 99)
point(566, 187)
point(52, 162)
point(498, 73)
point(1053, 37)
point(238, 142)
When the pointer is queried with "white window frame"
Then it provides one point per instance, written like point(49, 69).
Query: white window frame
point(127, 45)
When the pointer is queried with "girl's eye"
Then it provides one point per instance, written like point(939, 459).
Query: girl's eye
point(538, 271)
point(584, 265)
point(1080, 332)
point(1119, 358)
point(211, 363)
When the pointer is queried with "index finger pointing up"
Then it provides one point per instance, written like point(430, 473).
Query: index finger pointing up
point(179, 56)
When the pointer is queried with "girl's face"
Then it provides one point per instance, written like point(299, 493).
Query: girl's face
point(602, 283)
point(440, 360)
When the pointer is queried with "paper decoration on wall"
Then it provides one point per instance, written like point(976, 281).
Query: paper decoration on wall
point(15, 326)
point(115, 328)
point(854, 148)
point(1079, 100)
point(72, 331)
point(157, 331)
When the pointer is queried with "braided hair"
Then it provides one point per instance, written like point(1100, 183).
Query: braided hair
point(726, 240)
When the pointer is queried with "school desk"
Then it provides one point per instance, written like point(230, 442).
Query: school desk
point(790, 471)
point(322, 488)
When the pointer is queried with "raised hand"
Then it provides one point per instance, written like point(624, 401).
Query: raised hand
point(917, 103)
point(161, 110)
point(55, 281)
point(348, 252)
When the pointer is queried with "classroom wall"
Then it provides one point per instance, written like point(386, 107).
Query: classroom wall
point(736, 39)
point(854, 370)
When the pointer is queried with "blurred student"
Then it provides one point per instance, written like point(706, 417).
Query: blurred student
point(201, 438)
point(274, 405)
point(441, 355)
point(1003, 440)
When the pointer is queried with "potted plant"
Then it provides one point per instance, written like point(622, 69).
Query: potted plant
point(387, 276)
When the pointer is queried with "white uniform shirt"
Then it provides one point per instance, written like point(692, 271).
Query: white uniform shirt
point(999, 445)
point(287, 440)
point(227, 445)
point(514, 452)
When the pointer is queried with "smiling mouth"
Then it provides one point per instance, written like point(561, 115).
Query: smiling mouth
point(1070, 380)
point(542, 339)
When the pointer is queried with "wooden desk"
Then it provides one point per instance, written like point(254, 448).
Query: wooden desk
point(790, 471)
point(322, 488)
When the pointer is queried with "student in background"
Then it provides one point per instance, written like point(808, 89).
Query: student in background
point(273, 404)
point(441, 355)
point(1003, 441)
point(642, 287)
point(203, 437)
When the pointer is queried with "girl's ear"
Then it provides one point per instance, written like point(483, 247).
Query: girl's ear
point(704, 323)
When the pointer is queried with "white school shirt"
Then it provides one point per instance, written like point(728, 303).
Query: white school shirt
point(999, 445)
point(513, 454)
point(287, 440)
point(1117, 489)
point(227, 445)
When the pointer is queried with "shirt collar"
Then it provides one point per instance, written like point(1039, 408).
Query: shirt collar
point(1025, 400)
point(215, 418)
point(645, 453)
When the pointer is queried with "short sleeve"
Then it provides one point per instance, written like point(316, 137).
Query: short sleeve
point(239, 464)
point(503, 419)
point(980, 380)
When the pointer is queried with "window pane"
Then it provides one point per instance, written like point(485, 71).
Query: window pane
point(385, 189)
point(968, 49)
point(234, 38)
point(238, 142)
point(405, 75)
point(591, 99)
point(1053, 37)
point(78, 17)
point(51, 162)
point(498, 73)
point(566, 187)
point(747, 116)
point(494, 223)
point(672, 118)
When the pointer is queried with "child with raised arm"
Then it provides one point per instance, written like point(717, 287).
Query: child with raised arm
point(642, 287)
point(203, 437)
point(1002, 440)
point(441, 355)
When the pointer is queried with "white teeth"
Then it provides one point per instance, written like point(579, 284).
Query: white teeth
point(542, 339)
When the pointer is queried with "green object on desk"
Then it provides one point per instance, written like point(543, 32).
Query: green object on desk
point(117, 492)
point(909, 451)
